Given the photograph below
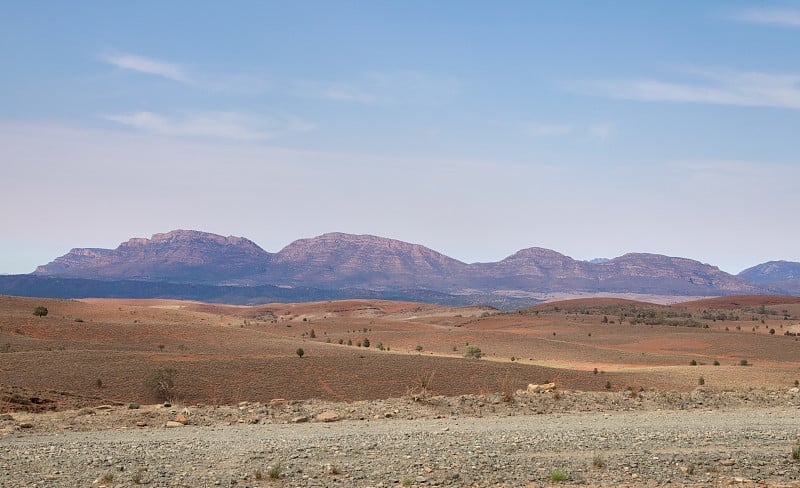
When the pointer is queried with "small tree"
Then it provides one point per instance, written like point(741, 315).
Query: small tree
point(40, 311)
point(473, 352)
point(161, 383)
point(300, 351)
point(365, 342)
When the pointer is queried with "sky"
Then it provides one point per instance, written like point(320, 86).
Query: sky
point(474, 128)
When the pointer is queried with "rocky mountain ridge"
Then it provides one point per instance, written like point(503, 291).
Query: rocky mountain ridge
point(341, 261)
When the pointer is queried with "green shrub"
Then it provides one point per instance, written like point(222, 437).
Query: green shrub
point(300, 351)
point(40, 311)
point(557, 475)
point(473, 352)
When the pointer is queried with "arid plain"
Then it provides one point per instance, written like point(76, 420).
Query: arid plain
point(94, 351)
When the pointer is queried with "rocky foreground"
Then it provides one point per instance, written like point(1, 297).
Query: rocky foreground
point(553, 437)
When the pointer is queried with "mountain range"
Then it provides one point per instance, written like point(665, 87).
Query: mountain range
point(340, 265)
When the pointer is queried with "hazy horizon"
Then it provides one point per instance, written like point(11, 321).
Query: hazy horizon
point(476, 130)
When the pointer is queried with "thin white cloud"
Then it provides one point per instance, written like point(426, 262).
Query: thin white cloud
point(751, 89)
point(347, 94)
point(394, 87)
point(601, 132)
point(545, 130)
point(770, 16)
point(150, 66)
point(222, 125)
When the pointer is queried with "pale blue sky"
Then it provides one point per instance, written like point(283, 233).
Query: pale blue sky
point(474, 128)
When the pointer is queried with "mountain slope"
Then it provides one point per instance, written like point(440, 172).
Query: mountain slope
point(178, 256)
point(339, 261)
point(345, 260)
point(772, 272)
point(782, 276)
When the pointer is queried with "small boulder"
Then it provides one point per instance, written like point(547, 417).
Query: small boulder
point(133, 406)
point(299, 420)
point(182, 419)
point(172, 424)
point(540, 388)
point(328, 416)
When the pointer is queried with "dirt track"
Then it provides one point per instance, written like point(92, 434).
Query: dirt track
point(743, 446)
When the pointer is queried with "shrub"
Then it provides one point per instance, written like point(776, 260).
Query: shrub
point(716, 363)
point(161, 383)
point(274, 472)
point(313, 334)
point(473, 352)
point(692, 363)
point(365, 342)
point(40, 311)
point(608, 385)
point(744, 362)
point(558, 475)
point(796, 452)
point(598, 461)
point(418, 348)
point(701, 381)
point(300, 351)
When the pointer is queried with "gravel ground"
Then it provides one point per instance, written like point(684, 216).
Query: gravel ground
point(245, 446)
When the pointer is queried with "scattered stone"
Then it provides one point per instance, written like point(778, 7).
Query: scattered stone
point(6, 416)
point(103, 407)
point(26, 425)
point(167, 405)
point(328, 416)
point(181, 419)
point(141, 423)
point(299, 419)
point(133, 406)
point(727, 462)
point(532, 388)
point(171, 424)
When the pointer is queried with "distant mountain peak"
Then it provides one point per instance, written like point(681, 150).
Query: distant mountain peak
point(336, 261)
point(772, 272)
point(178, 255)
